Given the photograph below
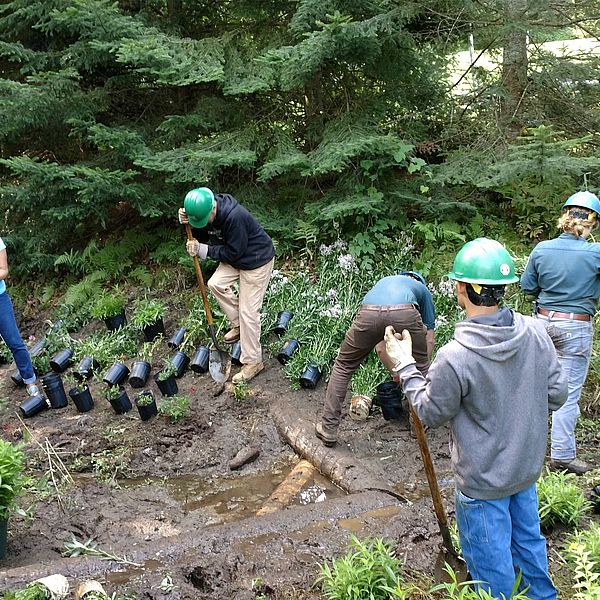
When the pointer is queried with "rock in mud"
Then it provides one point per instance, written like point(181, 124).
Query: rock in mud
point(243, 457)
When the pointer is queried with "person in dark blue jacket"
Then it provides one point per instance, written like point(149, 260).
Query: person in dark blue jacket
point(564, 276)
point(401, 300)
point(246, 256)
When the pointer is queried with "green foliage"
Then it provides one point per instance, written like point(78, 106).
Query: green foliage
point(587, 540)
point(11, 477)
point(168, 370)
point(145, 399)
point(368, 376)
point(147, 312)
point(175, 408)
point(369, 570)
point(560, 499)
point(112, 392)
point(108, 346)
point(108, 305)
point(34, 591)
point(241, 390)
point(584, 561)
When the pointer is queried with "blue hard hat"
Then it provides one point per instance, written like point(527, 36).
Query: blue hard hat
point(415, 275)
point(584, 200)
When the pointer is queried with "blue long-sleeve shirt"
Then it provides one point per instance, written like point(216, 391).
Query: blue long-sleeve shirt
point(401, 289)
point(564, 274)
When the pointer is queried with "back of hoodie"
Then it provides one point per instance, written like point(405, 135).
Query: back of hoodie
point(495, 384)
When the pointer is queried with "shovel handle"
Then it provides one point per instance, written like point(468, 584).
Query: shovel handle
point(200, 279)
point(432, 481)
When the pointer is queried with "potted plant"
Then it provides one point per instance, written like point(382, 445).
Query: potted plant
point(148, 316)
point(165, 379)
point(117, 374)
point(146, 405)
point(91, 590)
point(118, 398)
point(12, 479)
point(80, 394)
point(53, 587)
point(111, 309)
point(140, 369)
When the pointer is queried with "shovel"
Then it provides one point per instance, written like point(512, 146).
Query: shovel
point(219, 362)
point(455, 560)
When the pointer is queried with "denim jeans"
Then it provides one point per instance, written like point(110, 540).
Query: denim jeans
point(501, 537)
point(11, 336)
point(573, 342)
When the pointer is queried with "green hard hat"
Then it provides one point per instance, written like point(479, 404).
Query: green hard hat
point(485, 262)
point(198, 204)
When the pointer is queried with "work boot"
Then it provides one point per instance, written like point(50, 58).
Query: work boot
point(579, 467)
point(233, 335)
point(329, 439)
point(248, 372)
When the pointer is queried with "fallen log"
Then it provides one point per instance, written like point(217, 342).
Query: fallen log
point(337, 464)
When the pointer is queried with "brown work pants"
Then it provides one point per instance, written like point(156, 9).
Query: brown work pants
point(243, 310)
point(367, 330)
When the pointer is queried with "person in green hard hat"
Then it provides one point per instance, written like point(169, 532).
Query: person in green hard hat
point(494, 382)
point(563, 274)
point(232, 236)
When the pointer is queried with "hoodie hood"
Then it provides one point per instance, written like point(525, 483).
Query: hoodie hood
point(225, 204)
point(492, 342)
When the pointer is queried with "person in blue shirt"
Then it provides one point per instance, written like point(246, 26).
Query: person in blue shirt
point(564, 276)
point(10, 331)
point(400, 300)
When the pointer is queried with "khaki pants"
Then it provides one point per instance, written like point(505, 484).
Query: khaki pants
point(243, 311)
point(365, 333)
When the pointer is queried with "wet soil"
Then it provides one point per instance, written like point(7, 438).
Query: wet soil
point(162, 494)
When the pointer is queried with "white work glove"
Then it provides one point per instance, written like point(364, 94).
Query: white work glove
point(182, 216)
point(399, 348)
point(195, 248)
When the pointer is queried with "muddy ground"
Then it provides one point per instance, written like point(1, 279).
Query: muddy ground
point(163, 495)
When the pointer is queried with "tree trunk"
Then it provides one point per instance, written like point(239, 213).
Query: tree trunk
point(514, 61)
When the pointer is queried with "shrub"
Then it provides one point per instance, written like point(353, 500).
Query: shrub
point(560, 499)
point(369, 570)
point(11, 477)
point(175, 408)
point(147, 312)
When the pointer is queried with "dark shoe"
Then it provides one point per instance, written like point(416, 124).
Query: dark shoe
point(579, 467)
point(328, 439)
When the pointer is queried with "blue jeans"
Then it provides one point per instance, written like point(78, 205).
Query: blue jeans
point(501, 537)
point(11, 336)
point(573, 342)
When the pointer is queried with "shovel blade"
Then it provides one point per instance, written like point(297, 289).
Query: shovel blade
point(219, 365)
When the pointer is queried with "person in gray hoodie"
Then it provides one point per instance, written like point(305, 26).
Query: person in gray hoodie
point(494, 382)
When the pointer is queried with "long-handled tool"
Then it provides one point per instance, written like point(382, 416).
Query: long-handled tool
point(219, 361)
point(433, 484)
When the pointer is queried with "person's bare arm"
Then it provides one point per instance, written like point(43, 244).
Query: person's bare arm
point(3, 265)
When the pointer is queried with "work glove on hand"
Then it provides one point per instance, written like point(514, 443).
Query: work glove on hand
point(399, 348)
point(195, 248)
point(182, 216)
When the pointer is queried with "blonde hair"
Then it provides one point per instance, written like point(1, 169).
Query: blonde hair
point(572, 220)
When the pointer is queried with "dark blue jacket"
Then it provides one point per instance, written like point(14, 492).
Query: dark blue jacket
point(235, 237)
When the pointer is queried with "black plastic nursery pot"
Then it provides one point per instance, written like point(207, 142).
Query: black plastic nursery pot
point(17, 379)
point(235, 353)
point(85, 369)
point(310, 377)
point(147, 411)
point(177, 339)
point(140, 370)
point(117, 374)
point(82, 398)
point(121, 404)
point(55, 391)
point(33, 405)
point(168, 386)
point(199, 363)
point(116, 322)
point(389, 398)
point(3, 538)
point(152, 331)
point(37, 348)
point(283, 319)
point(181, 361)
point(61, 361)
point(286, 353)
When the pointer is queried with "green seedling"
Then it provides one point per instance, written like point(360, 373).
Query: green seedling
point(175, 408)
point(88, 548)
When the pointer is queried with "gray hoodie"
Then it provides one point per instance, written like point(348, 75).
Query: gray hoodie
point(495, 384)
